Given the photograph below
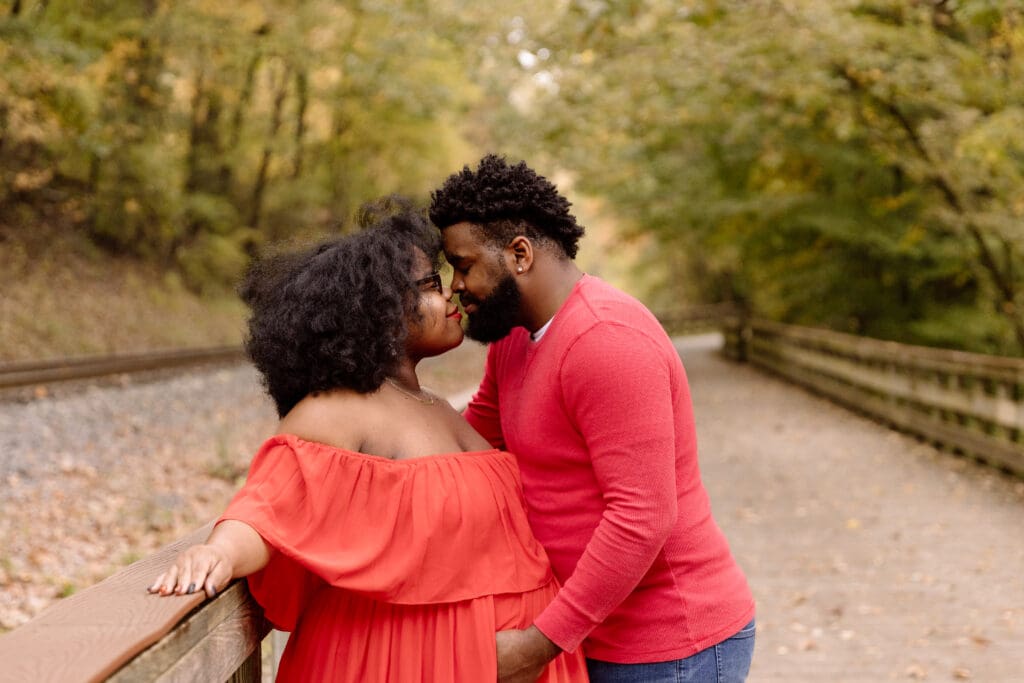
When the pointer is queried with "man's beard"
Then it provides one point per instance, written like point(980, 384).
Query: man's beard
point(496, 315)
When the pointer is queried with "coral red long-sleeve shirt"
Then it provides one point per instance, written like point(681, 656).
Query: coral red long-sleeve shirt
point(598, 413)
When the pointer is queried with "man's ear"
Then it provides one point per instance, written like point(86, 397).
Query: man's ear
point(519, 255)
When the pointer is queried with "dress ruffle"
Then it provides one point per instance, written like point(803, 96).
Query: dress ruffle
point(393, 570)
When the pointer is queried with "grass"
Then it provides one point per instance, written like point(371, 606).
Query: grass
point(63, 297)
point(225, 465)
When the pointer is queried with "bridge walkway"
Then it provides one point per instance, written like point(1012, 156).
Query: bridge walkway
point(872, 556)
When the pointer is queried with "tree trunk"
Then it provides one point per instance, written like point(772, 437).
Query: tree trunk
point(256, 213)
point(4, 117)
point(302, 92)
point(243, 100)
point(192, 182)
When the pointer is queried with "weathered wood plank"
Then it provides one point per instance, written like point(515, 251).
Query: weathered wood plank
point(90, 635)
point(921, 358)
point(251, 670)
point(210, 644)
point(997, 409)
point(999, 452)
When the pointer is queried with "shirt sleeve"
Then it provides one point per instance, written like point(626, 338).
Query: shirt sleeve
point(617, 386)
point(482, 411)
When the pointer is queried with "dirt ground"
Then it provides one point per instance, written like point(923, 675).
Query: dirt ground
point(872, 555)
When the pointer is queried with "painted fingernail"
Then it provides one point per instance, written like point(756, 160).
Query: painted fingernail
point(191, 589)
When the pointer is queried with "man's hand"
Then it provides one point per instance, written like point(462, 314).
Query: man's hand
point(522, 655)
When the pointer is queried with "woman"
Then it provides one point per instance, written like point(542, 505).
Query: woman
point(377, 525)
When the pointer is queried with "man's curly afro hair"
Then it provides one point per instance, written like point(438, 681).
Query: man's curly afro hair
point(336, 315)
point(503, 201)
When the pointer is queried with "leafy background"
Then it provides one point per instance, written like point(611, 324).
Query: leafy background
point(852, 164)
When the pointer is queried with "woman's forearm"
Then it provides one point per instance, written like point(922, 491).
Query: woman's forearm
point(243, 548)
point(234, 549)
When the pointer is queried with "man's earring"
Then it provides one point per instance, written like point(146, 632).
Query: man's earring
point(519, 269)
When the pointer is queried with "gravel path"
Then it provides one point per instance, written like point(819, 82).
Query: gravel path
point(94, 427)
point(872, 556)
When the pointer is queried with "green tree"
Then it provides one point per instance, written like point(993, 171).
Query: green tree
point(847, 163)
point(193, 132)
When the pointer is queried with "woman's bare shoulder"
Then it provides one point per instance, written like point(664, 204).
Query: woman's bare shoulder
point(341, 418)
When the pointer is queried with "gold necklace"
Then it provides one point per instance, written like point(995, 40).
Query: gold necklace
point(426, 400)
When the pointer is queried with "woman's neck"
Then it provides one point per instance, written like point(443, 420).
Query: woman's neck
point(406, 375)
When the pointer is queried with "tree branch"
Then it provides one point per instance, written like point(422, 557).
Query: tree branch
point(1001, 278)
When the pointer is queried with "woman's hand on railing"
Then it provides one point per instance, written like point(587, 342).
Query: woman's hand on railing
point(233, 549)
point(201, 566)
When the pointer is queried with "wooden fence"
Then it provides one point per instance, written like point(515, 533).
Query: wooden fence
point(967, 402)
point(118, 631)
point(695, 319)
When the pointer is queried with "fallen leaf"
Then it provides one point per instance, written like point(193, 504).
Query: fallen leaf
point(916, 671)
point(807, 645)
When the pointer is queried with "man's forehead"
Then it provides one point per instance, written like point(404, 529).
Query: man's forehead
point(461, 240)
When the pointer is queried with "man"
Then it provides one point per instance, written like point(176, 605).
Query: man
point(584, 386)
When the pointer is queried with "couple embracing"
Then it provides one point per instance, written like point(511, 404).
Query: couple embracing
point(556, 530)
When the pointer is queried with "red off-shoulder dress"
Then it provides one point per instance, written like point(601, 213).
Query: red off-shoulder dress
point(394, 570)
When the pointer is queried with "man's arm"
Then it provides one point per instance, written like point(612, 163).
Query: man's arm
point(483, 412)
point(617, 387)
point(523, 654)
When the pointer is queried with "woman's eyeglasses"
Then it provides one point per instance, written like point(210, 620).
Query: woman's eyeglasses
point(432, 281)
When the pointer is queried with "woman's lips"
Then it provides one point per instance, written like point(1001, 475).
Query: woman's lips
point(455, 315)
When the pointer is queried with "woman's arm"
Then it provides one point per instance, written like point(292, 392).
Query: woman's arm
point(233, 549)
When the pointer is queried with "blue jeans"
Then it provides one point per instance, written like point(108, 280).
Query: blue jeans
point(727, 662)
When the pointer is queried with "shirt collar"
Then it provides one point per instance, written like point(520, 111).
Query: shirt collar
point(535, 336)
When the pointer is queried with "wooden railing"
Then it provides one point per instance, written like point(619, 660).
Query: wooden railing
point(695, 319)
point(117, 631)
point(970, 403)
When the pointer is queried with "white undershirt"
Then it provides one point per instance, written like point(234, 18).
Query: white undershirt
point(535, 336)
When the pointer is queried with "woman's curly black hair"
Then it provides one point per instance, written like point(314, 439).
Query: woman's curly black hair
point(336, 315)
point(505, 201)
